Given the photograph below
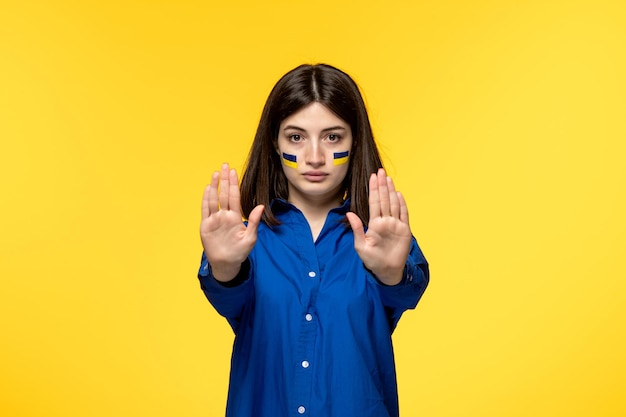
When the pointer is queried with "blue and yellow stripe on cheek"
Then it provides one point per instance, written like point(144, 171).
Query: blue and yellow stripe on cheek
point(290, 160)
point(340, 158)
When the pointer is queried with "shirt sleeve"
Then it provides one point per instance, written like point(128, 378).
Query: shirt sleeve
point(407, 293)
point(230, 299)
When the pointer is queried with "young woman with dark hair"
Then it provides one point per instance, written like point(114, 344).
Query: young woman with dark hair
point(315, 282)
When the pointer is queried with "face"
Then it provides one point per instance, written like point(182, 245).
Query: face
point(314, 145)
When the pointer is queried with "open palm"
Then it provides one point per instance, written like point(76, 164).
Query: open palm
point(385, 246)
point(226, 240)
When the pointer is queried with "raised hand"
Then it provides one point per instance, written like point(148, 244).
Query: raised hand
point(385, 247)
point(226, 240)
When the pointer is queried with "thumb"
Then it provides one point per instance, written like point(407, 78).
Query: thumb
point(254, 219)
point(357, 228)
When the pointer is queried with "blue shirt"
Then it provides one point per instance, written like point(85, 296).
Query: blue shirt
point(312, 325)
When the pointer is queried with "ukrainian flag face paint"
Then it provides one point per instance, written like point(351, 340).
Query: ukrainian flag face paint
point(290, 160)
point(340, 158)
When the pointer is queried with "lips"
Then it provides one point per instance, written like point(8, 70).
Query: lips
point(315, 176)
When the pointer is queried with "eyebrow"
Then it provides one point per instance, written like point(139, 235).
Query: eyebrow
point(323, 130)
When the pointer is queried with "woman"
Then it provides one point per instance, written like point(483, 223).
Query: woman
point(315, 283)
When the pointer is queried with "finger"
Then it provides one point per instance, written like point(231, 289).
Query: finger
point(205, 201)
point(357, 229)
point(404, 210)
point(394, 204)
point(254, 219)
point(224, 187)
point(383, 192)
point(233, 194)
point(374, 200)
point(212, 202)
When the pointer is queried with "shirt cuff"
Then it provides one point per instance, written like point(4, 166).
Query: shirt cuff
point(206, 273)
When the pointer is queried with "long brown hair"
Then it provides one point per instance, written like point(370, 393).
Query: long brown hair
point(263, 178)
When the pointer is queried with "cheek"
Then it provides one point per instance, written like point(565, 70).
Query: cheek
point(289, 157)
point(341, 171)
point(341, 158)
point(289, 160)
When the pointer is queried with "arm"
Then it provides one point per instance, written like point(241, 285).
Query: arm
point(231, 298)
point(388, 250)
point(405, 295)
point(225, 268)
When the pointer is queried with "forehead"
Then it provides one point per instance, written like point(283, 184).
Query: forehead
point(312, 116)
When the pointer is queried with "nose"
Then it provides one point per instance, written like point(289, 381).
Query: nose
point(315, 154)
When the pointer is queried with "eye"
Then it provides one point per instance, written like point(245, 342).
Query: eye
point(333, 138)
point(295, 138)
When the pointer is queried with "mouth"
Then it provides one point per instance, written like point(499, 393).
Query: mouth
point(315, 176)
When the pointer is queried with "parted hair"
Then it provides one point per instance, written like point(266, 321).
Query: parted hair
point(263, 177)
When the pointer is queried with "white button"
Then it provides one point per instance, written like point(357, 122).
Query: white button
point(305, 364)
point(312, 274)
point(308, 317)
point(301, 409)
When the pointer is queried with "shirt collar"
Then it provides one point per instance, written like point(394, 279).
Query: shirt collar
point(279, 205)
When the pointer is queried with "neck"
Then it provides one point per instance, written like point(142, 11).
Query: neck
point(315, 206)
point(315, 210)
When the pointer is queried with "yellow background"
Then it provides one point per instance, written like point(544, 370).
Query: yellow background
point(502, 121)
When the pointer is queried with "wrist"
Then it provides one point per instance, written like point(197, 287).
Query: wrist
point(225, 272)
point(389, 277)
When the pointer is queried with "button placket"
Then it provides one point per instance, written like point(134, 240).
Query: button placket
point(306, 344)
